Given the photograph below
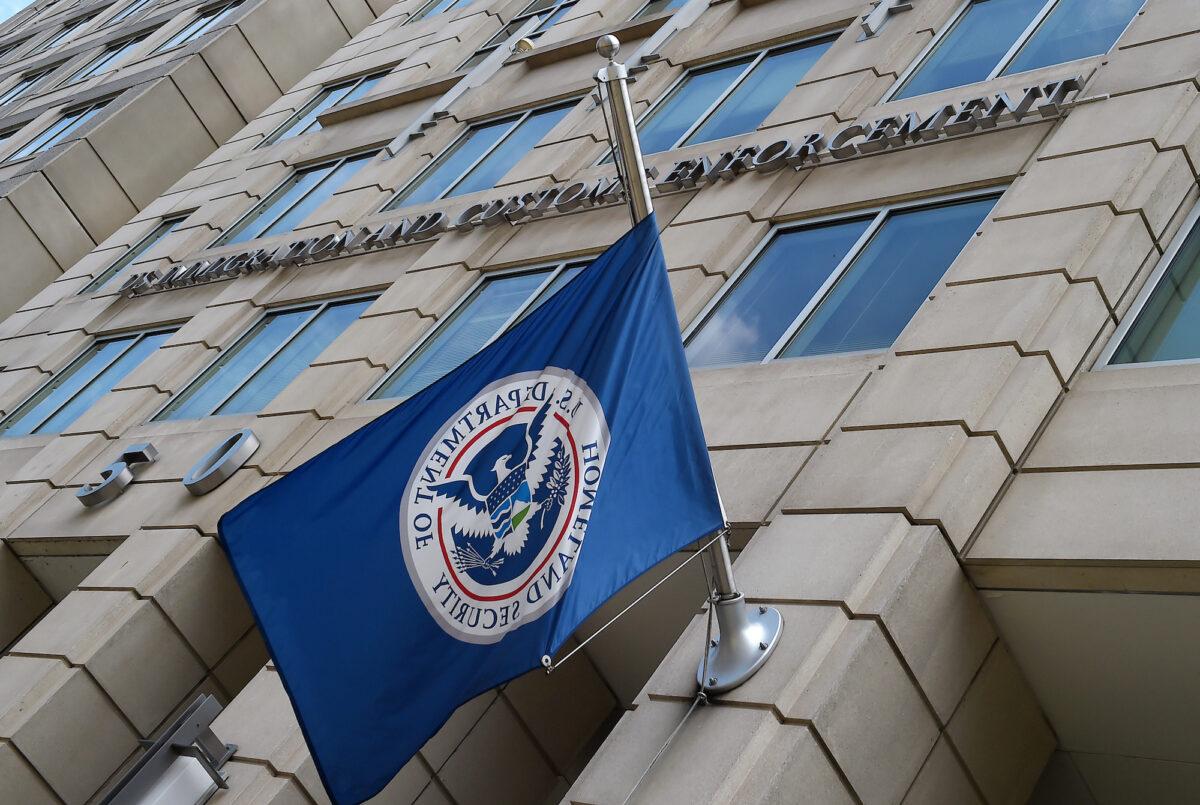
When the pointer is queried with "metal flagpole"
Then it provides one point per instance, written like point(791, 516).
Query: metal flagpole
point(748, 634)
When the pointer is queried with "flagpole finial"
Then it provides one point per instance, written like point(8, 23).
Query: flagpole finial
point(608, 46)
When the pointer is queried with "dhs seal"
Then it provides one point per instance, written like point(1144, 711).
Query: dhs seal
point(496, 511)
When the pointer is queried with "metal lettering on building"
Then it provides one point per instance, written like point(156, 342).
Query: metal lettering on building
point(849, 142)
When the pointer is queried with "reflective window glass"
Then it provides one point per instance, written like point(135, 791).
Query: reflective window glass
point(548, 13)
point(487, 312)
point(1168, 327)
point(164, 228)
point(844, 286)
point(205, 22)
point(658, 7)
point(978, 43)
point(482, 156)
point(130, 10)
point(23, 85)
point(305, 120)
point(439, 7)
point(253, 371)
point(68, 32)
point(74, 389)
point(294, 200)
point(57, 132)
point(109, 59)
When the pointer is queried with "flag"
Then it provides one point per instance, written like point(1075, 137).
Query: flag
point(447, 546)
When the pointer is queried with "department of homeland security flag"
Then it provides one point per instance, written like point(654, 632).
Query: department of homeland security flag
point(444, 548)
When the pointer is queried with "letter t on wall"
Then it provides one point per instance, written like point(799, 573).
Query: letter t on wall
point(874, 21)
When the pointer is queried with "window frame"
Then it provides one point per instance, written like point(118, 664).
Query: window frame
point(351, 83)
point(103, 280)
point(217, 9)
point(274, 193)
point(126, 46)
point(519, 19)
point(69, 31)
point(1191, 225)
point(46, 146)
point(955, 18)
point(317, 307)
point(557, 267)
point(37, 77)
point(136, 337)
point(421, 14)
point(715, 105)
point(642, 8)
point(879, 214)
point(133, 7)
point(520, 118)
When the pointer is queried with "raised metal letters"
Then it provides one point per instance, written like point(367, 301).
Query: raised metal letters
point(116, 477)
point(852, 141)
point(220, 463)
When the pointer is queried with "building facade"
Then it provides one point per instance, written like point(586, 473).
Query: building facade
point(104, 105)
point(935, 264)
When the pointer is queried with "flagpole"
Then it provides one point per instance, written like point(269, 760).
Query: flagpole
point(748, 634)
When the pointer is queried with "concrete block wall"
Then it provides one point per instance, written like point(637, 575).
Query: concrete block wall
point(859, 486)
point(166, 112)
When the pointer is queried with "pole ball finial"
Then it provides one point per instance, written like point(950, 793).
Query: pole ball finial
point(608, 46)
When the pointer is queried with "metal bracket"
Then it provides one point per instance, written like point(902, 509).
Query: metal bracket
point(748, 635)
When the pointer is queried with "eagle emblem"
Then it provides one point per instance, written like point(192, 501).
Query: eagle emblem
point(510, 490)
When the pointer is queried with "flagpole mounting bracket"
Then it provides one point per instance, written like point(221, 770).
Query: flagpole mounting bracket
point(749, 633)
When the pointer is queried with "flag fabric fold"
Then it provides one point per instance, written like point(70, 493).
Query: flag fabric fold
point(442, 549)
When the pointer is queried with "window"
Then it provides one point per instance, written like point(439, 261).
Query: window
point(73, 390)
point(655, 7)
point(305, 119)
point(729, 98)
point(438, 7)
point(130, 10)
point(1167, 324)
point(1001, 37)
point(205, 22)
point(482, 156)
point(107, 60)
point(294, 200)
point(164, 228)
point(58, 131)
point(492, 307)
point(68, 32)
point(845, 285)
point(547, 11)
point(23, 85)
point(254, 370)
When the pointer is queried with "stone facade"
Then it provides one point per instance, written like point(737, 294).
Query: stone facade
point(169, 102)
point(979, 537)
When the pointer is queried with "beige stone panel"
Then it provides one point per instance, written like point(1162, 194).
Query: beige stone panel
point(46, 352)
point(117, 411)
point(17, 384)
point(940, 167)
point(1087, 243)
point(1129, 69)
point(380, 340)
point(935, 618)
point(717, 246)
point(127, 646)
point(1122, 417)
point(24, 249)
point(331, 432)
point(691, 289)
point(166, 505)
point(286, 49)
point(437, 750)
point(942, 780)
point(867, 710)
point(930, 474)
point(216, 326)
point(242, 662)
point(1000, 732)
point(992, 390)
point(19, 782)
point(168, 369)
point(429, 293)
point(752, 481)
point(1131, 177)
point(781, 402)
point(340, 211)
point(1119, 779)
point(843, 97)
point(758, 196)
point(71, 313)
point(1160, 20)
point(89, 189)
point(1155, 115)
point(252, 784)
point(14, 456)
point(413, 784)
point(333, 278)
point(42, 705)
point(726, 754)
point(1037, 314)
point(22, 599)
point(563, 710)
point(144, 312)
point(239, 71)
point(261, 722)
point(325, 390)
point(208, 99)
point(1112, 516)
point(60, 459)
point(144, 561)
point(48, 216)
point(18, 501)
point(22, 319)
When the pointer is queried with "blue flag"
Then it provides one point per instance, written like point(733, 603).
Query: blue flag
point(446, 547)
